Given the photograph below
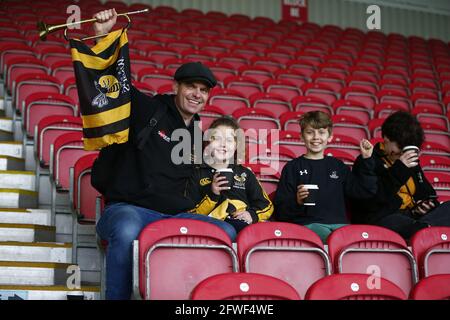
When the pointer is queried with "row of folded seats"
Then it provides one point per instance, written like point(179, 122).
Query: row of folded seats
point(286, 261)
point(265, 88)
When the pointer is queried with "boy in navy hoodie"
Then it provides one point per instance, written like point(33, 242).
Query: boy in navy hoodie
point(334, 179)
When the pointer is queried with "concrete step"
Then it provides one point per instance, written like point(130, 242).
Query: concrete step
point(11, 148)
point(24, 180)
point(6, 135)
point(36, 252)
point(26, 233)
point(26, 216)
point(11, 163)
point(46, 292)
point(6, 124)
point(16, 198)
point(33, 273)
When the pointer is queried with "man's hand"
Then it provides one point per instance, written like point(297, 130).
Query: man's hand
point(302, 194)
point(424, 207)
point(106, 20)
point(409, 158)
point(219, 183)
point(366, 148)
point(243, 215)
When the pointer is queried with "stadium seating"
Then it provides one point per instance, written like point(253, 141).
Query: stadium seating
point(431, 249)
point(354, 286)
point(435, 287)
point(287, 251)
point(83, 198)
point(167, 254)
point(243, 286)
point(373, 250)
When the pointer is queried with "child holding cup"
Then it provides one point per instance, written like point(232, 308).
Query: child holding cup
point(221, 187)
point(327, 179)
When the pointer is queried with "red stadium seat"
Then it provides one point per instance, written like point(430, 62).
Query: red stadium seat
point(83, 197)
point(221, 70)
point(228, 100)
point(290, 120)
point(137, 63)
point(341, 154)
point(362, 82)
point(276, 157)
point(352, 108)
point(335, 81)
point(373, 250)
point(385, 109)
point(433, 148)
point(255, 118)
point(425, 114)
point(22, 65)
point(321, 91)
point(64, 152)
point(30, 83)
point(296, 77)
point(48, 129)
point(275, 103)
point(288, 139)
point(431, 249)
point(397, 97)
point(267, 176)
point(311, 103)
point(245, 85)
point(41, 104)
point(155, 77)
point(243, 286)
point(284, 88)
point(361, 95)
point(289, 252)
point(374, 126)
point(354, 286)
point(435, 163)
point(70, 89)
point(209, 114)
point(351, 126)
point(62, 70)
point(167, 256)
point(435, 287)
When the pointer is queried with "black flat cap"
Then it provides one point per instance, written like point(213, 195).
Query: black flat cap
point(195, 71)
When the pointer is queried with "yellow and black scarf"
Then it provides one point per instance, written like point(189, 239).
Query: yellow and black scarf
point(104, 89)
point(407, 190)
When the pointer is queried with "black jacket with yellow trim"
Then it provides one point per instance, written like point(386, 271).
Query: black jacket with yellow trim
point(390, 179)
point(246, 193)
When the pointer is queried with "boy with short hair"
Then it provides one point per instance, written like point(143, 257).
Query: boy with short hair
point(334, 179)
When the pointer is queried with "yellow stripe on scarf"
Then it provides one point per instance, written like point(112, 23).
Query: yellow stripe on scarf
point(403, 193)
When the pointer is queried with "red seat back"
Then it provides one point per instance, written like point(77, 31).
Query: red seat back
point(48, 129)
point(84, 194)
point(286, 251)
point(431, 249)
point(354, 287)
point(371, 249)
point(176, 254)
point(435, 287)
point(243, 286)
point(67, 149)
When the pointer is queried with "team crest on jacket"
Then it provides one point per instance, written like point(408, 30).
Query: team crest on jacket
point(334, 175)
point(239, 180)
point(205, 181)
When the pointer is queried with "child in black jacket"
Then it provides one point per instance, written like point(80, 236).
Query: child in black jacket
point(241, 203)
point(333, 177)
point(403, 202)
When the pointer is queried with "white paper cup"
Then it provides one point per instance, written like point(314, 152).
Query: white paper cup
point(313, 190)
point(414, 148)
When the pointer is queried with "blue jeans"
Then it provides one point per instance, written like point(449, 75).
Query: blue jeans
point(120, 224)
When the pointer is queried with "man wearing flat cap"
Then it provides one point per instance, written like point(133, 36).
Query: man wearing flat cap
point(139, 180)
